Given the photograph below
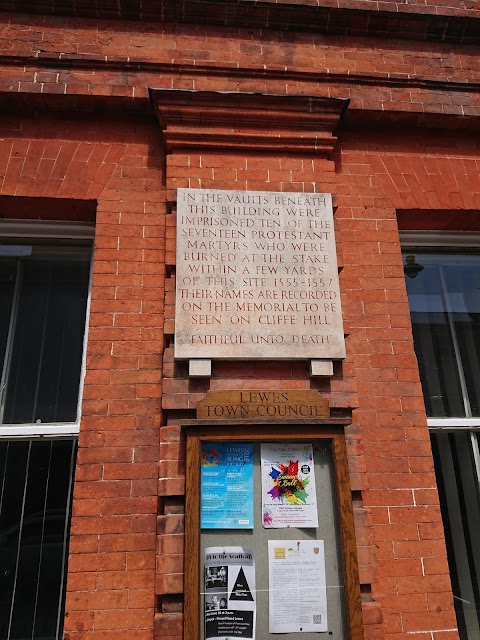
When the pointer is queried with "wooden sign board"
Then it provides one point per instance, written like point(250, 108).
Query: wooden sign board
point(258, 404)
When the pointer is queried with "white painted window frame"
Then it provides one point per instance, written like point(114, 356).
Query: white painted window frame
point(45, 230)
point(415, 241)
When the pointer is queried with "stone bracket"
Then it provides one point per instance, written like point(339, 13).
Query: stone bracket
point(230, 121)
point(200, 368)
point(321, 368)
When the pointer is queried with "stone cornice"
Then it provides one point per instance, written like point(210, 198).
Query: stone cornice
point(213, 121)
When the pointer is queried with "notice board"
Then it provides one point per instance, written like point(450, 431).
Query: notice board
point(334, 530)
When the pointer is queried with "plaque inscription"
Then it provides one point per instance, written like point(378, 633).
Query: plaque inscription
point(256, 276)
point(260, 403)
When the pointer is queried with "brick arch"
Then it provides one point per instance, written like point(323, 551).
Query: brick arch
point(49, 168)
point(428, 180)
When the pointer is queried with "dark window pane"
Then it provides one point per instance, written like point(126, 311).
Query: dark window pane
point(54, 553)
point(458, 489)
point(34, 517)
point(30, 547)
point(44, 377)
point(15, 455)
point(27, 348)
point(434, 344)
point(8, 270)
point(463, 286)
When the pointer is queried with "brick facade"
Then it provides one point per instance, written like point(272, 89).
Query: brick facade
point(77, 123)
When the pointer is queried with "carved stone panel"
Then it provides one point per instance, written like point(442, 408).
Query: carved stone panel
point(256, 276)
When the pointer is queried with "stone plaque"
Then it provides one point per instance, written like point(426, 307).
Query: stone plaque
point(218, 405)
point(256, 276)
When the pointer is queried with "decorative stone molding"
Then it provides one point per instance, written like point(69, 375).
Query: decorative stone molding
point(208, 120)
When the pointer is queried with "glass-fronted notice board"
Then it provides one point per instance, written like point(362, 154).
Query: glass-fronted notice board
point(270, 547)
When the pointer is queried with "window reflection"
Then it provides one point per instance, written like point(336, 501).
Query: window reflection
point(42, 327)
point(444, 302)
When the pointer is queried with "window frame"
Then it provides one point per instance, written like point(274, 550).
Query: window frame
point(460, 242)
point(22, 232)
point(415, 241)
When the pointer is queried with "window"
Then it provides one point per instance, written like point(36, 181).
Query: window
point(43, 300)
point(44, 283)
point(443, 286)
point(444, 297)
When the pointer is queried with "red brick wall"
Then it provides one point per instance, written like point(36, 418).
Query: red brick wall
point(112, 562)
point(122, 576)
point(112, 550)
point(88, 57)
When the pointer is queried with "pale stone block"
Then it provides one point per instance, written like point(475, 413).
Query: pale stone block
point(321, 368)
point(199, 368)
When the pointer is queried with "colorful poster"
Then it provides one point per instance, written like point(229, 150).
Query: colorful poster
point(297, 586)
point(227, 486)
point(289, 497)
point(230, 608)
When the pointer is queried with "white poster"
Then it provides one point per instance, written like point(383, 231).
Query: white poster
point(230, 609)
point(289, 497)
point(297, 586)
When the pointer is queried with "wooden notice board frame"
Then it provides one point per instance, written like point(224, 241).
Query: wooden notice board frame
point(325, 429)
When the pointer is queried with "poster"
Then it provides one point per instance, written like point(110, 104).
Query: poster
point(297, 586)
point(230, 609)
point(289, 497)
point(227, 486)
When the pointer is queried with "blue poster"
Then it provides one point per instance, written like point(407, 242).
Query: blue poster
point(227, 486)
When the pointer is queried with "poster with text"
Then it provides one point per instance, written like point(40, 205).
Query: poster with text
point(230, 609)
point(297, 586)
point(227, 486)
point(289, 497)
